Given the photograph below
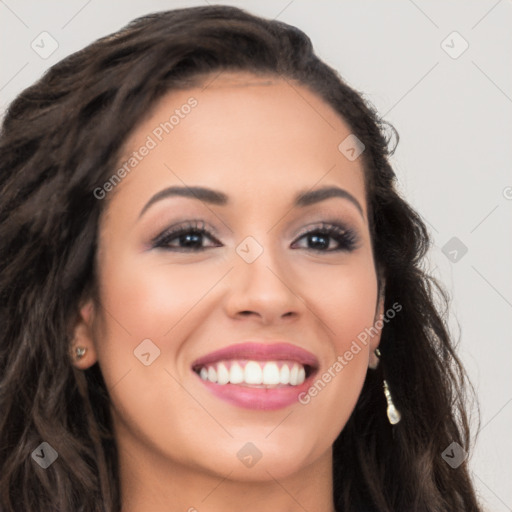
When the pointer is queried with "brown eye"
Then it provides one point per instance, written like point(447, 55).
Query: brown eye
point(184, 238)
point(320, 238)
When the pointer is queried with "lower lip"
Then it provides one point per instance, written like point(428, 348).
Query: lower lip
point(262, 399)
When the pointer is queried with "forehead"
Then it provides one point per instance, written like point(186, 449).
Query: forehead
point(242, 131)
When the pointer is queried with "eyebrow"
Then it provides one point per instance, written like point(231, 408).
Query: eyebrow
point(208, 195)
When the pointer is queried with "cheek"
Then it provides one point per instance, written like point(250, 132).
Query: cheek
point(149, 299)
point(352, 313)
point(345, 306)
point(345, 300)
point(144, 300)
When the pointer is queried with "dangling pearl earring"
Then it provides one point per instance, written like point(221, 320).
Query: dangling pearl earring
point(394, 415)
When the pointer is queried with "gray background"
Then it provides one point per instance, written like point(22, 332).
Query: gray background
point(453, 114)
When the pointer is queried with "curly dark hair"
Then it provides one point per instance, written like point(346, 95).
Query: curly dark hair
point(61, 138)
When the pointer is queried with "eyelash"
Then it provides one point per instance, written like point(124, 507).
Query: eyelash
point(346, 237)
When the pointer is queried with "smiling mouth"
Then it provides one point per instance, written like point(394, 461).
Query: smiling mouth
point(255, 374)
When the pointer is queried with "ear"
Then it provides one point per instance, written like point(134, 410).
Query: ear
point(83, 336)
point(379, 313)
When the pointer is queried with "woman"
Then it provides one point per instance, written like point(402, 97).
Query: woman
point(212, 293)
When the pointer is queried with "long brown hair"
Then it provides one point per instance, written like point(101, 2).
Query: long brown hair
point(60, 140)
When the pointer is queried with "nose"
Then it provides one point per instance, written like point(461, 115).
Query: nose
point(263, 289)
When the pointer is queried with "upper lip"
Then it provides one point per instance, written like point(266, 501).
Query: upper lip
point(258, 351)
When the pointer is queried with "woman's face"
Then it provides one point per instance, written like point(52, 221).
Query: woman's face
point(278, 303)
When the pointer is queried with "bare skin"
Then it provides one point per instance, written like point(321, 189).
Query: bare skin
point(260, 144)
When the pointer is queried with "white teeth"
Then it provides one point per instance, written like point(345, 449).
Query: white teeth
point(285, 374)
point(212, 374)
point(254, 373)
point(222, 374)
point(294, 375)
point(302, 375)
point(271, 374)
point(236, 374)
point(297, 375)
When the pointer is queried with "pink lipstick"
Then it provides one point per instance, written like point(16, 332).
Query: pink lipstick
point(256, 375)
